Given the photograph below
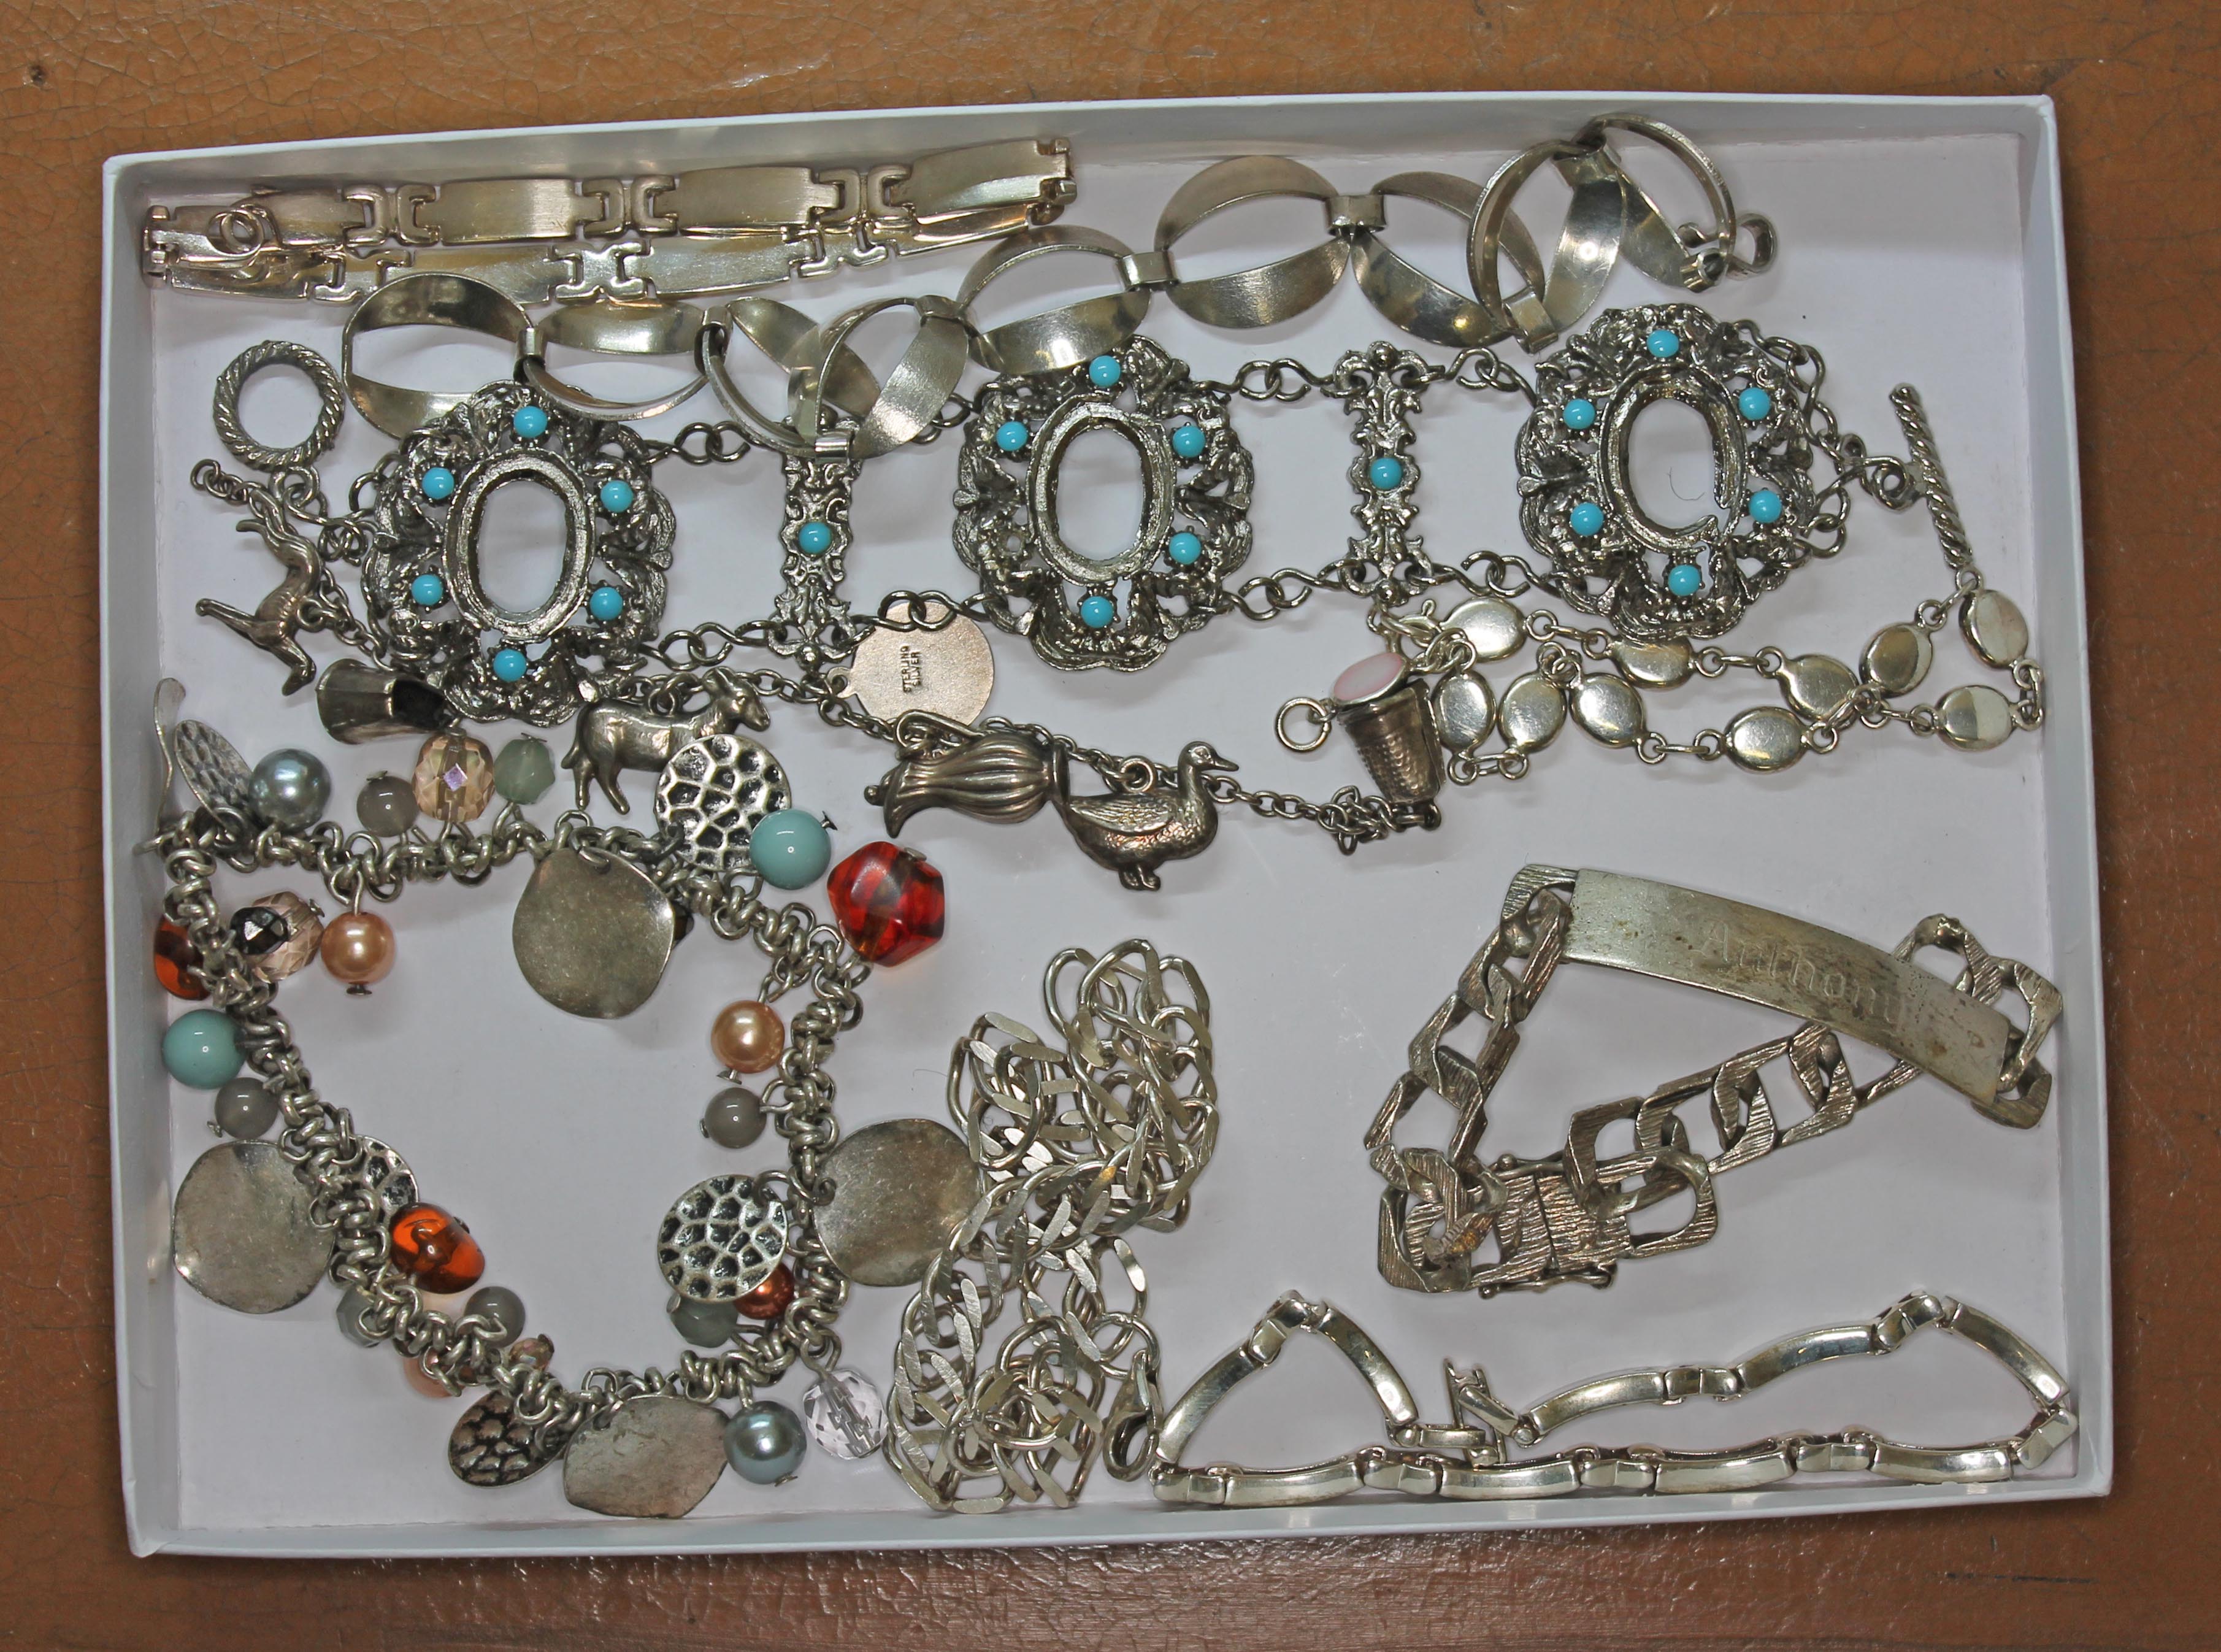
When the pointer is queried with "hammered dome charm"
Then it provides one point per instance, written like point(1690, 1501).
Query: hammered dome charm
point(713, 793)
point(721, 1240)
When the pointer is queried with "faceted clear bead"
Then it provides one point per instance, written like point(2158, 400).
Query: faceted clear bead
point(454, 780)
point(844, 1415)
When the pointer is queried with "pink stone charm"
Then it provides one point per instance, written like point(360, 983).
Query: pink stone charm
point(1370, 677)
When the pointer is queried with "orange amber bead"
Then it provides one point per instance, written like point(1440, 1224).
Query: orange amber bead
point(436, 1250)
point(769, 1299)
point(747, 1037)
point(174, 960)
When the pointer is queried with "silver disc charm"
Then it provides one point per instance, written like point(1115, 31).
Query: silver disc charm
point(710, 796)
point(900, 1189)
point(493, 1446)
point(592, 933)
point(241, 1233)
point(721, 1240)
point(212, 768)
point(946, 669)
point(656, 1460)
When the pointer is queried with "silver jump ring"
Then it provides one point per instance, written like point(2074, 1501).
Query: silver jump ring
point(331, 405)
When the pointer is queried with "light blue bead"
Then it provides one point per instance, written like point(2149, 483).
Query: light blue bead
point(428, 591)
point(1385, 473)
point(1585, 519)
point(1185, 548)
point(200, 1050)
point(510, 664)
point(1104, 372)
point(1753, 404)
point(1096, 612)
point(1189, 442)
point(815, 537)
point(1579, 414)
point(765, 1443)
point(1683, 580)
point(1765, 506)
point(606, 603)
point(1012, 434)
point(438, 483)
point(616, 496)
point(1663, 342)
point(530, 422)
point(791, 849)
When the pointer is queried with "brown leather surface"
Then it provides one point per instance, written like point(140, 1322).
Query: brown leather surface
point(2139, 93)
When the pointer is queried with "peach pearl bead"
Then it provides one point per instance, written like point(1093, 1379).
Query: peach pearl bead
point(747, 1037)
point(422, 1380)
point(358, 949)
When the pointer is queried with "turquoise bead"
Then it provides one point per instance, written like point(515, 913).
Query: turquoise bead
point(1585, 519)
point(510, 664)
point(606, 603)
point(1579, 414)
point(1753, 404)
point(528, 422)
point(616, 496)
point(1012, 434)
point(1385, 473)
point(1662, 343)
point(1104, 372)
point(1189, 442)
point(791, 849)
point(438, 483)
point(815, 537)
point(428, 591)
point(1097, 612)
point(1683, 580)
point(1765, 506)
point(1185, 548)
point(200, 1050)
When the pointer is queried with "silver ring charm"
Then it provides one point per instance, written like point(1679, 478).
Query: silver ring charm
point(1121, 610)
point(1058, 338)
point(428, 299)
point(493, 662)
point(331, 405)
point(1655, 581)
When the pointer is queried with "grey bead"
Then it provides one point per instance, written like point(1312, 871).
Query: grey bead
point(735, 1117)
point(705, 1324)
point(290, 788)
point(350, 1314)
point(765, 1443)
point(245, 1109)
point(387, 806)
point(501, 1304)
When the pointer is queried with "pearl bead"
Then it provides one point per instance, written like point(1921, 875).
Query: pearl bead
point(510, 664)
point(790, 847)
point(438, 483)
point(771, 1299)
point(386, 806)
point(1753, 404)
point(616, 496)
point(1011, 435)
point(734, 1118)
point(1385, 473)
point(747, 1037)
point(1685, 580)
point(1189, 442)
point(501, 1305)
point(815, 537)
point(606, 603)
point(358, 950)
point(245, 1109)
point(1585, 519)
point(1579, 414)
point(290, 788)
point(705, 1324)
point(1662, 343)
point(428, 591)
point(1185, 548)
point(200, 1050)
point(1097, 612)
point(422, 1381)
point(1765, 506)
point(530, 422)
point(1104, 372)
point(765, 1443)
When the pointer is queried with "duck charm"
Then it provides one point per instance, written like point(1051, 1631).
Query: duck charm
point(1134, 833)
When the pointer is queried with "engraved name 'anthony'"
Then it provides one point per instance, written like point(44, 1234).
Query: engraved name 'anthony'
point(1798, 968)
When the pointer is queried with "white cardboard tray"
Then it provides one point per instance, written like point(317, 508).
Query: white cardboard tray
point(1921, 240)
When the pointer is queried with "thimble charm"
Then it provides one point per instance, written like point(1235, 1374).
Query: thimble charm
point(1383, 705)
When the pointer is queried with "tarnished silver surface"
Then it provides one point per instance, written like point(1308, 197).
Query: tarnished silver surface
point(211, 767)
point(1897, 659)
point(1464, 710)
point(712, 794)
point(1493, 626)
point(1608, 709)
point(615, 736)
point(1974, 718)
point(1469, 1458)
point(901, 1189)
point(388, 1175)
point(1003, 778)
point(431, 299)
point(491, 1445)
point(592, 933)
point(331, 405)
point(1764, 739)
point(941, 663)
point(656, 1459)
point(1531, 712)
point(1993, 627)
point(241, 1232)
point(721, 1239)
